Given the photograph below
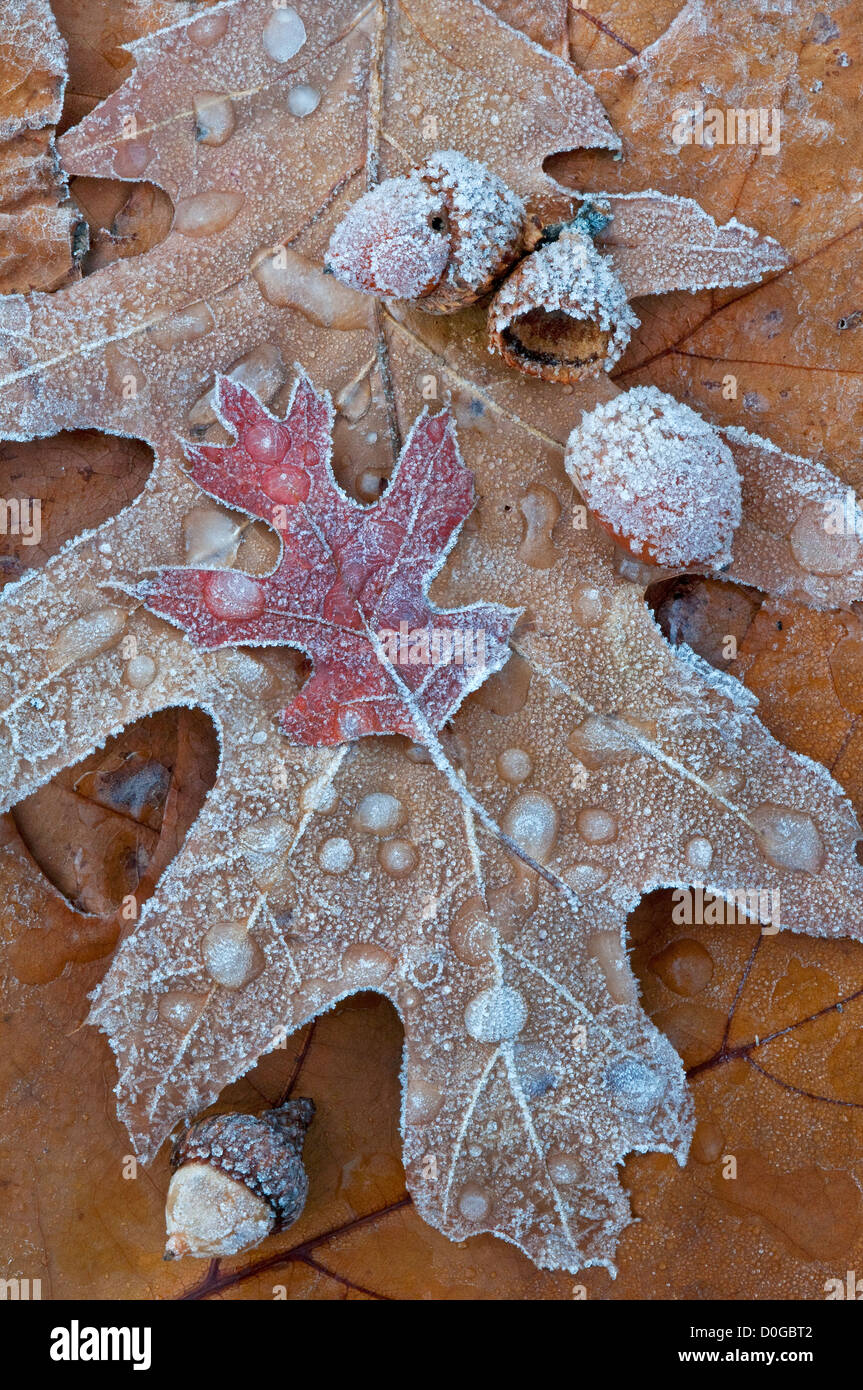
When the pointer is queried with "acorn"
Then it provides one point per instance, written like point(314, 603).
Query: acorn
point(659, 478)
point(562, 314)
point(441, 235)
point(236, 1180)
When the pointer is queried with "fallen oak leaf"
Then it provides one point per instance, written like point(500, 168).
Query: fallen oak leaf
point(351, 589)
point(659, 242)
point(516, 446)
point(41, 236)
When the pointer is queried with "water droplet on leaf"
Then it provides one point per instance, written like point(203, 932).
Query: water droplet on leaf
point(231, 955)
point(532, 821)
point(788, 839)
point(284, 35)
point(496, 1014)
point(336, 855)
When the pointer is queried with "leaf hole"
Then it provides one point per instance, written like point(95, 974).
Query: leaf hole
point(53, 489)
point(110, 825)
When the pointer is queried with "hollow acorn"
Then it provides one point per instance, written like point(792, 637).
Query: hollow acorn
point(659, 478)
point(441, 235)
point(562, 314)
point(236, 1180)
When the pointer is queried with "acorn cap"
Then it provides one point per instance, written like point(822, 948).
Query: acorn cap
point(441, 235)
point(263, 1152)
point(562, 314)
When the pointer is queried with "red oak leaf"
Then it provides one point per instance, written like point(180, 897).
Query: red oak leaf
point(351, 589)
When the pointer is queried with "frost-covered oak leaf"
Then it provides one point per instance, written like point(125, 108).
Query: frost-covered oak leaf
point(484, 891)
point(350, 590)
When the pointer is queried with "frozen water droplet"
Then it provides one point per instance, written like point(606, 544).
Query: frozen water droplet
point(585, 878)
point(514, 765)
point(205, 214)
point(699, 853)
point(87, 636)
point(366, 964)
point(210, 537)
point(139, 672)
point(821, 551)
point(564, 1168)
point(587, 605)
point(207, 30)
point(269, 836)
point(598, 741)
point(232, 595)
point(496, 1014)
point(215, 118)
point(286, 485)
point(707, 1142)
point(303, 100)
point(725, 781)
point(320, 796)
point(244, 671)
point(131, 159)
point(379, 813)
point(398, 858)
point(537, 1069)
point(532, 821)
point(635, 1085)
point(512, 903)
point(473, 1202)
point(685, 966)
point(422, 1101)
point(284, 35)
point(193, 322)
point(418, 753)
point(267, 442)
point(369, 485)
point(540, 510)
point(231, 955)
point(606, 948)
point(472, 934)
point(181, 1008)
point(336, 855)
point(262, 371)
point(354, 400)
point(596, 825)
point(788, 839)
point(288, 281)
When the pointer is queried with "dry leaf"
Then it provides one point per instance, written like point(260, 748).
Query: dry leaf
point(36, 221)
point(501, 398)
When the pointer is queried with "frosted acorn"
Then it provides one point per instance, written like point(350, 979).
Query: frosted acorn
point(442, 235)
point(562, 314)
point(237, 1179)
point(659, 478)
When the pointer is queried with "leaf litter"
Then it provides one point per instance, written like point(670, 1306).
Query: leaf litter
point(565, 679)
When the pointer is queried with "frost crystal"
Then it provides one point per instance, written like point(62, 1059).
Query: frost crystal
point(659, 477)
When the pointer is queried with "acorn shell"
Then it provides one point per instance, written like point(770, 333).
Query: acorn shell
point(263, 1153)
point(659, 478)
point(562, 315)
point(440, 236)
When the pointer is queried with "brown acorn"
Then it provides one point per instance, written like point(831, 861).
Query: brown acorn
point(659, 478)
point(441, 235)
point(237, 1179)
point(562, 314)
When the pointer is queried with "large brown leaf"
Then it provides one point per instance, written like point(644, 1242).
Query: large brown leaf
point(807, 1219)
